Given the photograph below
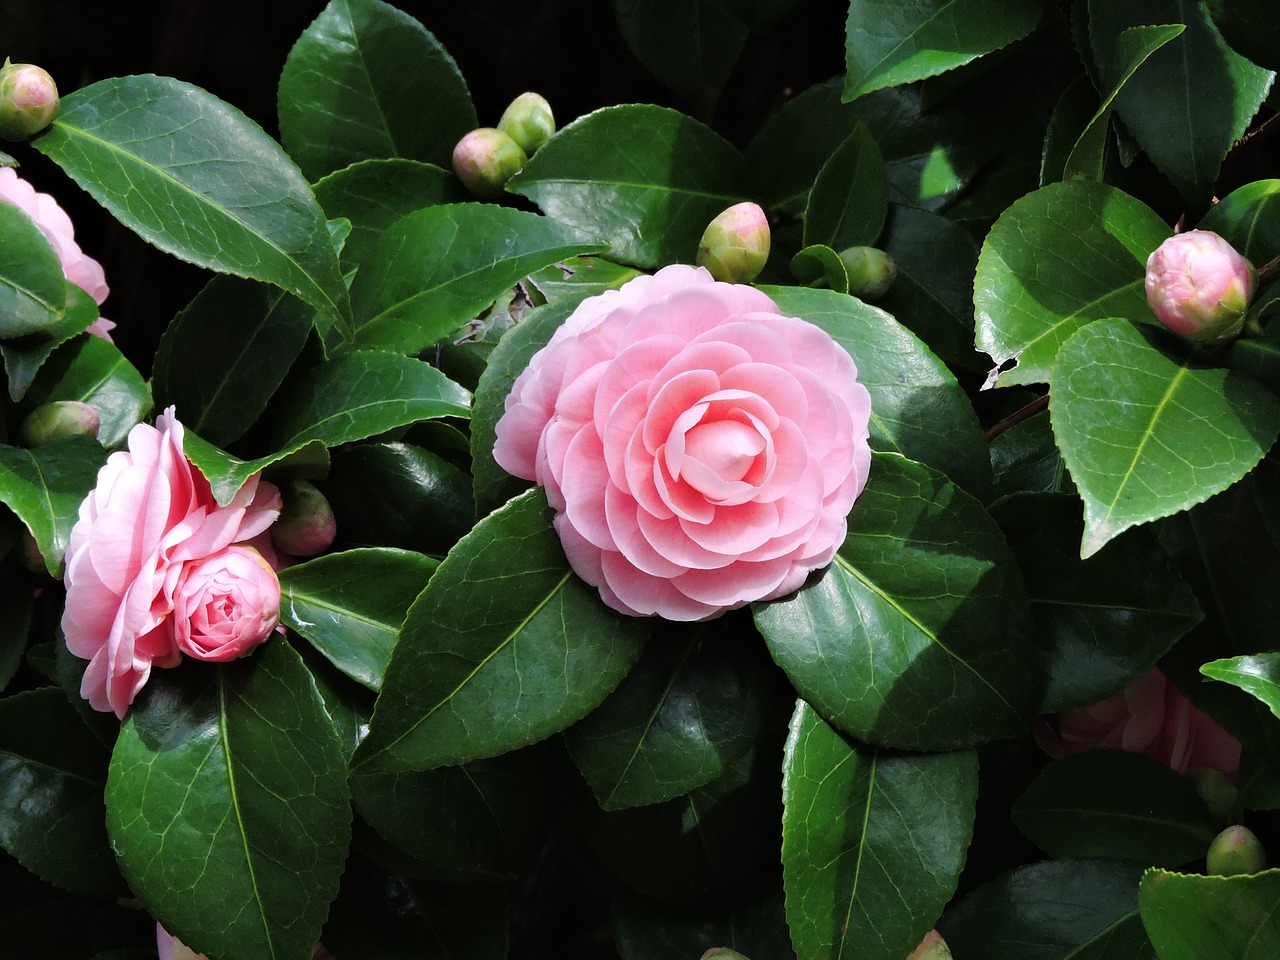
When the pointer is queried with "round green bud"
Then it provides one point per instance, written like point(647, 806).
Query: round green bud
point(61, 418)
point(735, 245)
point(485, 159)
point(871, 272)
point(1234, 851)
point(528, 121)
point(306, 525)
point(28, 100)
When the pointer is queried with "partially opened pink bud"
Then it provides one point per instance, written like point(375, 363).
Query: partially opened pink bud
point(932, 947)
point(226, 604)
point(735, 245)
point(1235, 850)
point(28, 100)
point(485, 159)
point(1199, 286)
point(61, 418)
point(306, 525)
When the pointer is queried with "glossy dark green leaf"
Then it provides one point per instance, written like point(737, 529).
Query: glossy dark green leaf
point(643, 179)
point(51, 814)
point(818, 264)
point(227, 474)
point(1104, 620)
point(1075, 110)
point(44, 487)
point(1059, 909)
point(32, 289)
point(1176, 432)
point(917, 407)
point(1191, 100)
point(578, 277)
point(694, 703)
point(1025, 458)
point(437, 268)
point(1258, 675)
point(917, 636)
point(1114, 803)
point(690, 45)
point(350, 605)
point(850, 199)
point(1249, 219)
point(196, 178)
point(348, 704)
point(1250, 29)
point(888, 43)
point(222, 358)
point(23, 357)
point(227, 803)
point(366, 80)
point(504, 648)
point(1191, 917)
point(1057, 259)
point(94, 371)
point(872, 842)
point(647, 929)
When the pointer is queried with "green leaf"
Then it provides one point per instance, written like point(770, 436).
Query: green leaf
point(1054, 910)
point(1193, 97)
point(580, 277)
point(1258, 675)
point(1250, 28)
point(24, 357)
point(1176, 432)
point(917, 407)
point(44, 487)
point(1249, 219)
point(32, 289)
point(1075, 110)
point(1057, 259)
point(1211, 918)
point(1105, 619)
point(350, 605)
point(819, 264)
point(196, 178)
point(222, 357)
point(1025, 459)
point(1113, 803)
point(850, 199)
point(917, 636)
point(643, 179)
point(693, 704)
point(51, 819)
point(94, 371)
point(872, 842)
point(366, 80)
point(690, 45)
point(227, 803)
point(437, 268)
point(889, 43)
point(646, 929)
point(504, 648)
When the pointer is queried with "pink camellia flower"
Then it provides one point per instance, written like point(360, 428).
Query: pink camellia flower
point(701, 450)
point(226, 604)
point(82, 270)
point(150, 516)
point(1151, 717)
point(1199, 286)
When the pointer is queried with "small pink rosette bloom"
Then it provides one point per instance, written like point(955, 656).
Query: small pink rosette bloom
point(1199, 286)
point(80, 269)
point(150, 517)
point(1151, 717)
point(701, 451)
point(226, 604)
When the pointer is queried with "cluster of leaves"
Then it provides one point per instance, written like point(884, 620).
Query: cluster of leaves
point(452, 703)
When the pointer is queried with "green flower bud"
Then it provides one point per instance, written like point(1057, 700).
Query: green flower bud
point(735, 245)
point(528, 121)
point(1218, 793)
point(485, 159)
point(722, 953)
point(871, 272)
point(306, 525)
point(28, 100)
point(62, 418)
point(1235, 850)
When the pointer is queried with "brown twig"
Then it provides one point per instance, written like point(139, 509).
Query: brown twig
point(1267, 128)
point(1268, 271)
point(1015, 418)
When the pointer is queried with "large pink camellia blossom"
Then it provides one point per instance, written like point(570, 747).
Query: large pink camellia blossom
point(701, 450)
point(141, 547)
point(79, 268)
point(1151, 717)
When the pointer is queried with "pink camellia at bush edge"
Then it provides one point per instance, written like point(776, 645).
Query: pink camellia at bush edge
point(82, 270)
point(1199, 286)
point(1151, 717)
point(700, 449)
point(151, 516)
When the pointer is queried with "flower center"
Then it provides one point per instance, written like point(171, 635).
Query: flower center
point(727, 447)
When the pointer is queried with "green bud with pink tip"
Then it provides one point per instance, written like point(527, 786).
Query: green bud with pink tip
point(485, 159)
point(735, 245)
point(1235, 851)
point(871, 272)
point(528, 121)
point(1200, 287)
point(61, 418)
point(28, 100)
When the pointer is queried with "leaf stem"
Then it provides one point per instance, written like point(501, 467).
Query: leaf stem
point(1015, 418)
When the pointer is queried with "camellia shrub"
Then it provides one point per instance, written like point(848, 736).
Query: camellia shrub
point(532, 539)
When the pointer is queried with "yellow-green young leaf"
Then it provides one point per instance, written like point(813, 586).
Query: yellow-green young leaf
point(1191, 917)
point(1146, 431)
point(872, 841)
point(1258, 675)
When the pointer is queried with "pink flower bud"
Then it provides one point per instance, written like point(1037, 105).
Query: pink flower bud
point(225, 604)
point(61, 418)
point(28, 100)
point(171, 948)
point(735, 245)
point(306, 525)
point(932, 947)
point(528, 121)
point(485, 159)
point(1235, 851)
point(1199, 286)
point(871, 272)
